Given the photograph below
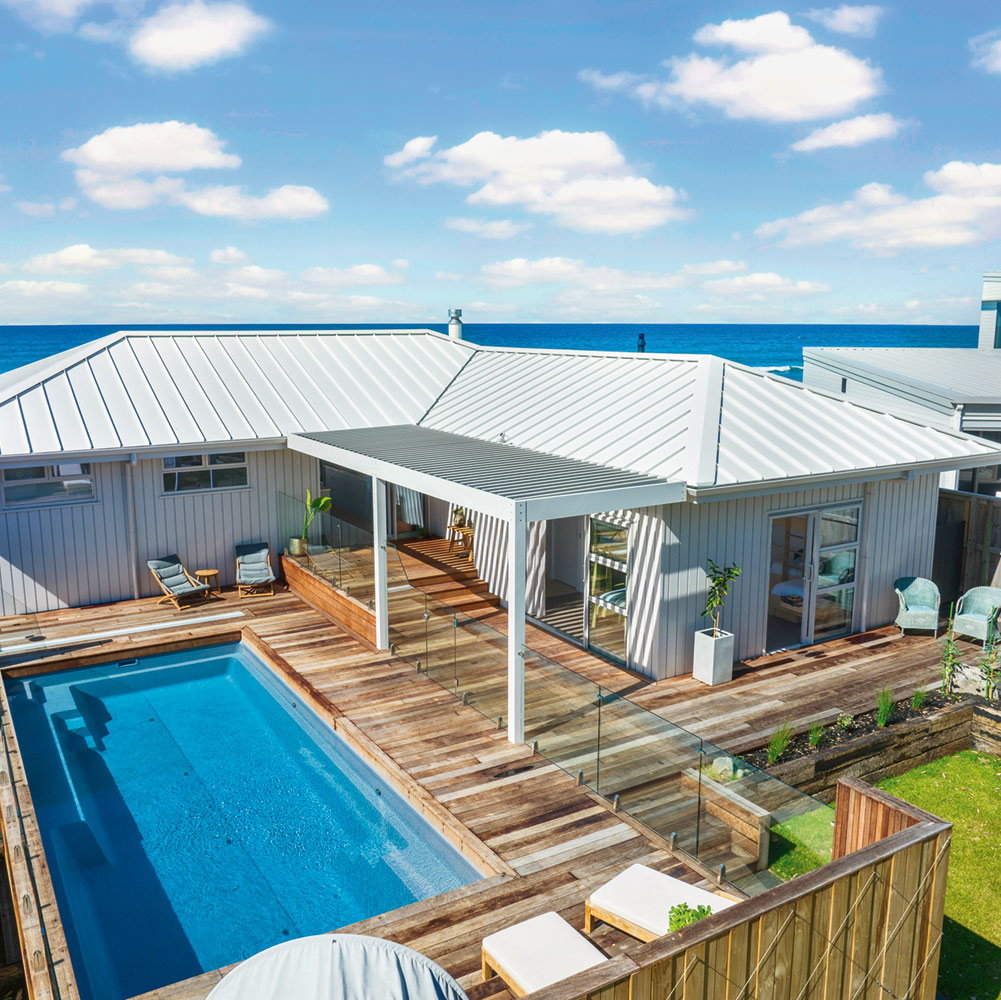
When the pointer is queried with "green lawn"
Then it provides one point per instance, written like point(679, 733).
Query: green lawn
point(801, 843)
point(965, 789)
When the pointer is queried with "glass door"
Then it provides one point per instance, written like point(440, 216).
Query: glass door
point(811, 579)
point(608, 573)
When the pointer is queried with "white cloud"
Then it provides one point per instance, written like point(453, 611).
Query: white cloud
point(500, 229)
point(183, 36)
point(109, 166)
point(358, 276)
point(401, 263)
point(252, 274)
point(858, 20)
point(49, 15)
point(520, 271)
point(760, 286)
point(784, 75)
point(414, 149)
point(851, 132)
point(987, 51)
point(45, 209)
point(964, 210)
point(44, 289)
point(149, 147)
point(83, 258)
point(581, 179)
point(4, 186)
point(227, 255)
point(609, 82)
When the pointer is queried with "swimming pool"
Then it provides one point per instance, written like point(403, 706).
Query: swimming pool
point(193, 812)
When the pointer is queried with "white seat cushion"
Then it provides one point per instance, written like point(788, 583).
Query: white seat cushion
point(541, 951)
point(644, 897)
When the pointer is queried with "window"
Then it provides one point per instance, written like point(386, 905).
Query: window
point(47, 484)
point(224, 470)
point(608, 611)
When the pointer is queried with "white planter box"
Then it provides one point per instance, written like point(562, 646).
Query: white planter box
point(713, 659)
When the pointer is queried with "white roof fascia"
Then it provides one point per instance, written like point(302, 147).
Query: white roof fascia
point(847, 477)
point(599, 501)
point(422, 482)
point(702, 448)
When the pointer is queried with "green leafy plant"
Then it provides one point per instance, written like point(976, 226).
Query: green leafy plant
point(314, 506)
point(845, 722)
point(884, 706)
point(681, 915)
point(816, 733)
point(720, 578)
point(950, 659)
point(918, 699)
point(990, 665)
point(780, 740)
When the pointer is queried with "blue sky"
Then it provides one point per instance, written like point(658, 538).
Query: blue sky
point(264, 162)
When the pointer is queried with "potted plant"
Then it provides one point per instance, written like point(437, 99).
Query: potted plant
point(459, 517)
point(713, 658)
point(314, 506)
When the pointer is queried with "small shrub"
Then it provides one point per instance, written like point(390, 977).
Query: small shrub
point(951, 659)
point(990, 665)
point(681, 915)
point(884, 706)
point(845, 722)
point(918, 700)
point(781, 739)
point(816, 734)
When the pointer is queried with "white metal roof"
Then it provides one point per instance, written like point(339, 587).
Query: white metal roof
point(487, 475)
point(150, 392)
point(713, 423)
point(957, 374)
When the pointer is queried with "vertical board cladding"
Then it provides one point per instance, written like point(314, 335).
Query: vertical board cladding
point(898, 532)
point(205, 528)
point(67, 555)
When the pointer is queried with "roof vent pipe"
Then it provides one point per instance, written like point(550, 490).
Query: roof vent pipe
point(641, 342)
point(455, 324)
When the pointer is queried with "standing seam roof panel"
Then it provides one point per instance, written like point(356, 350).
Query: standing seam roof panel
point(93, 411)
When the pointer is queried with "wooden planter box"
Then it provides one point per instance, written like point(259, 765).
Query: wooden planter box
point(342, 608)
point(749, 822)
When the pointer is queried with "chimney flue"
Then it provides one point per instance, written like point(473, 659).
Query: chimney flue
point(455, 324)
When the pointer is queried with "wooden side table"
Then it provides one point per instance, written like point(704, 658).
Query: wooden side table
point(464, 534)
point(210, 576)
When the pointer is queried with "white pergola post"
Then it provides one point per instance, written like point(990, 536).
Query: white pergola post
point(379, 550)
point(517, 549)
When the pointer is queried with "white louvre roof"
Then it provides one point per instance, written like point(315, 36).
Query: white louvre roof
point(957, 374)
point(715, 424)
point(487, 475)
point(156, 392)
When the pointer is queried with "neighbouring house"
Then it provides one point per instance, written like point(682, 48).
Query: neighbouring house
point(946, 387)
point(602, 482)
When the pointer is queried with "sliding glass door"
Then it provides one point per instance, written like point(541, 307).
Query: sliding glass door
point(811, 578)
point(607, 606)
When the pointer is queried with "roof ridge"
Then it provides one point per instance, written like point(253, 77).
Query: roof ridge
point(702, 448)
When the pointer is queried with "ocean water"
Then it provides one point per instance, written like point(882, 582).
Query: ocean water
point(194, 814)
point(778, 347)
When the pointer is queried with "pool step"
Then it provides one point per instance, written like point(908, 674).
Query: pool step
point(77, 735)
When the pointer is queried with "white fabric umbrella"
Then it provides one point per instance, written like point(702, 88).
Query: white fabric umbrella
point(338, 967)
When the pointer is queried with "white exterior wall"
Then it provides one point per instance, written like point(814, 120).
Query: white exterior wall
point(77, 554)
point(204, 528)
point(898, 539)
point(63, 556)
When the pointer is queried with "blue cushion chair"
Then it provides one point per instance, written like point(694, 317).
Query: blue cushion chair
point(919, 604)
point(175, 581)
point(976, 613)
point(253, 568)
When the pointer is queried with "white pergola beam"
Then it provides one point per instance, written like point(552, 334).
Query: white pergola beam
point(517, 571)
point(379, 520)
point(599, 501)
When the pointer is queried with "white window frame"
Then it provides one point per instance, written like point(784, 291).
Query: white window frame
point(50, 476)
point(202, 466)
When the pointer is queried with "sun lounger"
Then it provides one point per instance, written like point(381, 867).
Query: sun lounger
point(175, 581)
point(537, 953)
point(253, 568)
point(639, 900)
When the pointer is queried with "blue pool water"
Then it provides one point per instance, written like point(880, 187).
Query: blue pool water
point(193, 814)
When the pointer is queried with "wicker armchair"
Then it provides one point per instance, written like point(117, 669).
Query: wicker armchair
point(919, 604)
point(976, 613)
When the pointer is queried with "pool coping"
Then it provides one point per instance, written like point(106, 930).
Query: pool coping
point(41, 932)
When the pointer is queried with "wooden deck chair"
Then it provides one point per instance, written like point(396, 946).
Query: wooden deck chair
point(638, 901)
point(176, 582)
point(253, 568)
